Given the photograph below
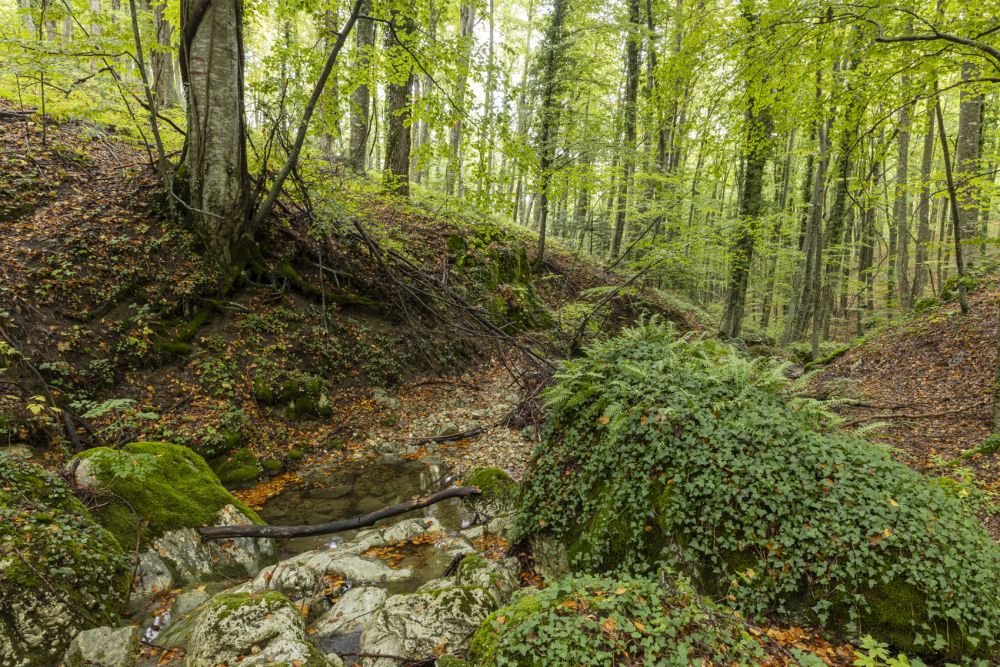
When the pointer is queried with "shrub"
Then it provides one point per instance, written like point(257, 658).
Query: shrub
point(586, 620)
point(659, 449)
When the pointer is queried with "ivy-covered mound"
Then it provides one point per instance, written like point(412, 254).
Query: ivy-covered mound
point(660, 449)
point(168, 486)
point(587, 620)
point(59, 571)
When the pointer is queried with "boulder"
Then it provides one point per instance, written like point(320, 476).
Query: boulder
point(664, 450)
point(339, 629)
point(173, 491)
point(60, 572)
point(441, 616)
point(264, 629)
point(104, 647)
point(499, 491)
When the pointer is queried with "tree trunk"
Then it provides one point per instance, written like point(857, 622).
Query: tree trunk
point(554, 46)
point(162, 57)
point(629, 114)
point(453, 172)
point(901, 207)
point(755, 153)
point(211, 59)
point(970, 118)
point(955, 208)
point(397, 100)
point(924, 207)
point(364, 43)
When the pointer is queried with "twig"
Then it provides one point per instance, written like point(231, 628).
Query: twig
point(911, 415)
point(471, 433)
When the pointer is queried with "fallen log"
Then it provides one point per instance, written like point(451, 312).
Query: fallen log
point(222, 532)
point(471, 433)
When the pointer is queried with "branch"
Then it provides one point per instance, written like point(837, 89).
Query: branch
point(265, 208)
point(911, 415)
point(222, 532)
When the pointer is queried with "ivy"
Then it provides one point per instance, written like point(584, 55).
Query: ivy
point(664, 449)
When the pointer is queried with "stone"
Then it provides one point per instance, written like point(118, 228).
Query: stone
point(443, 614)
point(188, 601)
point(252, 630)
point(152, 576)
point(406, 530)
point(104, 647)
point(339, 629)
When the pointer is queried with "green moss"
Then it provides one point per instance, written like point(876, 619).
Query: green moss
point(272, 467)
point(178, 490)
point(493, 482)
point(52, 550)
point(238, 467)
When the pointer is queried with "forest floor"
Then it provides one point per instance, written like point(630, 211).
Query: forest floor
point(928, 384)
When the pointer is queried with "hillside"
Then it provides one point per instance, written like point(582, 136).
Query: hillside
point(927, 383)
point(116, 309)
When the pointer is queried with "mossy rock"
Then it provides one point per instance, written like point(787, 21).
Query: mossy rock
point(60, 572)
point(499, 490)
point(614, 620)
point(166, 486)
point(237, 468)
point(684, 452)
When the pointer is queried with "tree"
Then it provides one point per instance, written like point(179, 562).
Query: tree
point(398, 95)
point(453, 172)
point(215, 157)
point(629, 112)
point(364, 42)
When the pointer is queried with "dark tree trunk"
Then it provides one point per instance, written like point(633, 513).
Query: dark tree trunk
point(397, 111)
point(364, 42)
point(629, 115)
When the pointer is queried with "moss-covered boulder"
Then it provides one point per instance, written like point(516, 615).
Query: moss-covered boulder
point(586, 620)
point(164, 486)
point(264, 629)
point(442, 615)
point(238, 468)
point(161, 493)
point(60, 572)
point(663, 449)
point(499, 490)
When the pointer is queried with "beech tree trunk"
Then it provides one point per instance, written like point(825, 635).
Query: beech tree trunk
point(629, 113)
point(399, 91)
point(162, 57)
point(970, 118)
point(453, 171)
point(901, 208)
point(364, 42)
point(924, 207)
point(215, 158)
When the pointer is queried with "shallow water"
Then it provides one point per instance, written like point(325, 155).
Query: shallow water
point(358, 487)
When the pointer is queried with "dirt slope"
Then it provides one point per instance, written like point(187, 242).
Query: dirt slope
point(930, 380)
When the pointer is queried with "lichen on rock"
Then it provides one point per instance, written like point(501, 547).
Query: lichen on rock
point(60, 572)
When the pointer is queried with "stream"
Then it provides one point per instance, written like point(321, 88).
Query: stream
point(355, 488)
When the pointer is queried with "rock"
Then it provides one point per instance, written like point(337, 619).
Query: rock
point(60, 572)
point(237, 468)
point(339, 629)
point(406, 530)
point(302, 576)
point(173, 491)
point(499, 491)
point(442, 615)
point(447, 428)
point(104, 647)
point(252, 630)
point(188, 601)
point(181, 557)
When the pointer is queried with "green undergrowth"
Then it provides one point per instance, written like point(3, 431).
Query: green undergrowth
point(594, 620)
point(661, 449)
point(52, 550)
point(164, 486)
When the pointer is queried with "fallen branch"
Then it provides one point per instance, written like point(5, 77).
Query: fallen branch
point(222, 532)
point(471, 433)
point(911, 415)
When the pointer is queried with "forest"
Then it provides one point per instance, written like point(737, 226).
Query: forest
point(521, 333)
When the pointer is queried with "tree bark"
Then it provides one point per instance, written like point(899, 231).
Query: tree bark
point(970, 118)
point(629, 113)
point(162, 57)
point(955, 215)
point(901, 207)
point(924, 207)
point(453, 171)
point(364, 42)
point(554, 46)
point(396, 175)
point(211, 59)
